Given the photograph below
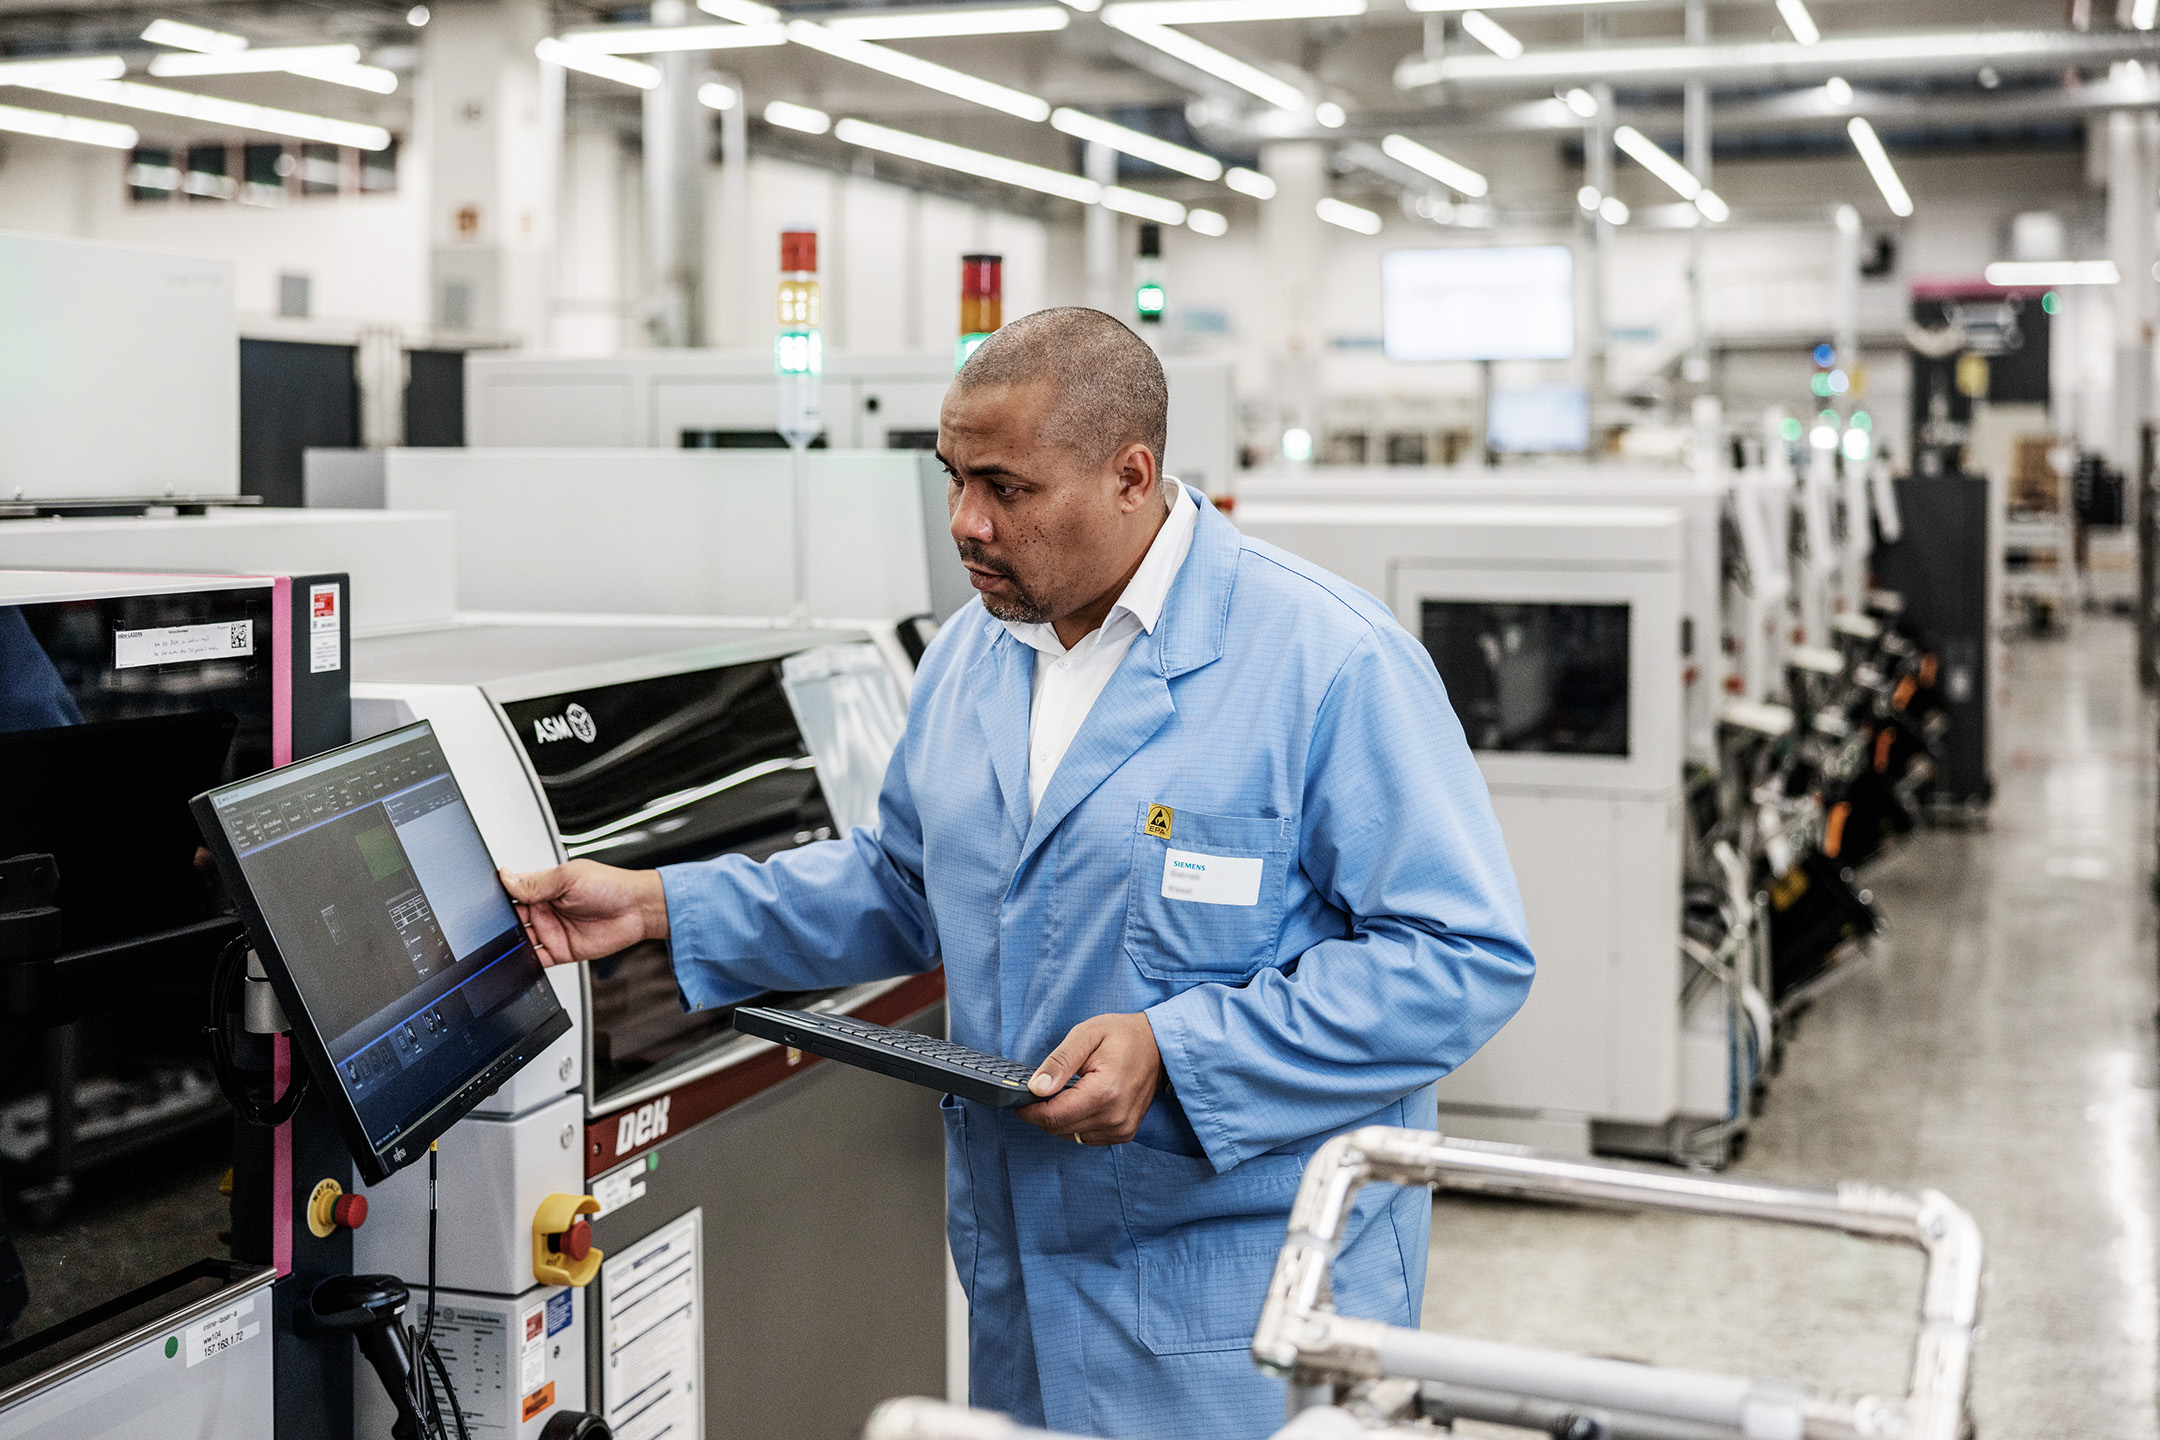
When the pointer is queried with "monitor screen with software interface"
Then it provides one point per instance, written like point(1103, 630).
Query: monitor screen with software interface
point(411, 988)
point(1500, 302)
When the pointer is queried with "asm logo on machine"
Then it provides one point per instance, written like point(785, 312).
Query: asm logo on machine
point(642, 1126)
point(575, 723)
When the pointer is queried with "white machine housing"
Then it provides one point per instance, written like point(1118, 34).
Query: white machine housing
point(1595, 839)
point(516, 1361)
point(649, 398)
point(689, 532)
point(1703, 501)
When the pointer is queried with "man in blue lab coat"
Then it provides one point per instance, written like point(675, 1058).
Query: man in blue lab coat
point(1184, 815)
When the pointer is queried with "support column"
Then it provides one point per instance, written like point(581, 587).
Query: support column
point(2130, 246)
point(1695, 154)
point(740, 308)
point(677, 137)
point(490, 117)
point(1293, 252)
point(1099, 162)
point(1598, 174)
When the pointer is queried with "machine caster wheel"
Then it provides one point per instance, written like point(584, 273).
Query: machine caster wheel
point(576, 1425)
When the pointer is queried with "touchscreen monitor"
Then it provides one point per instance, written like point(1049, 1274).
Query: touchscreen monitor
point(411, 989)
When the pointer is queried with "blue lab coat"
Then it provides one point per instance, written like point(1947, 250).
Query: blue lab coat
point(1284, 718)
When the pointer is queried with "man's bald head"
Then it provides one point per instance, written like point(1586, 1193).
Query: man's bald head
point(1107, 385)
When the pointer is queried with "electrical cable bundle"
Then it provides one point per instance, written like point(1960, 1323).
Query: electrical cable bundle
point(250, 1099)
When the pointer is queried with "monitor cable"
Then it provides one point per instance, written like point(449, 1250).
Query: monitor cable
point(249, 1098)
point(425, 1355)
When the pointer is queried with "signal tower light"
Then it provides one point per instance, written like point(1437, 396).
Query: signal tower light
point(798, 351)
point(1149, 296)
point(982, 302)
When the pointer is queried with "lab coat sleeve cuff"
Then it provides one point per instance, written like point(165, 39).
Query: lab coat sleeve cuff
point(700, 982)
point(1174, 1041)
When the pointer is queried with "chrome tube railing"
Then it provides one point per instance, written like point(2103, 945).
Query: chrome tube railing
point(1321, 1352)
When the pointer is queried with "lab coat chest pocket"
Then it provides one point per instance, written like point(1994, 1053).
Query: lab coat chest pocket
point(1204, 899)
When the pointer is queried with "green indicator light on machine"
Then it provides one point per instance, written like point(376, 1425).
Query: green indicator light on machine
point(1789, 428)
point(172, 1346)
point(1828, 417)
point(967, 346)
point(1820, 382)
point(2051, 302)
point(1862, 421)
point(1149, 299)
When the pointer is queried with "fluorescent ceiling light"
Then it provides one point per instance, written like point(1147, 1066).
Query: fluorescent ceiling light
point(1085, 7)
point(2144, 13)
point(1713, 208)
point(1491, 34)
point(1249, 182)
point(1580, 103)
point(1330, 114)
point(1588, 198)
point(797, 117)
point(1870, 147)
point(358, 77)
point(1147, 207)
point(39, 72)
point(1207, 222)
point(742, 12)
point(715, 96)
point(417, 16)
point(1137, 144)
point(657, 39)
point(1207, 59)
point(1645, 152)
point(931, 24)
point(1350, 217)
point(255, 62)
point(210, 109)
point(973, 162)
point(596, 62)
point(1799, 21)
point(2012, 274)
point(1216, 12)
point(67, 127)
point(902, 66)
point(1837, 92)
point(192, 37)
point(1431, 162)
point(1613, 210)
point(1435, 7)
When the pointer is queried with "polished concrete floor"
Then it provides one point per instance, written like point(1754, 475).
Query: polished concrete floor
point(2001, 1050)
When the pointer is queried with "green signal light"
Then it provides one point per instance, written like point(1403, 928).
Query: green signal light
point(1828, 417)
point(1149, 299)
point(1789, 428)
point(1862, 421)
point(2051, 303)
point(1820, 383)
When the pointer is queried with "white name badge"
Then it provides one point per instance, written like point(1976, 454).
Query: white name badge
point(1210, 879)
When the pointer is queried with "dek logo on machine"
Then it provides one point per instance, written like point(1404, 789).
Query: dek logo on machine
point(575, 722)
point(638, 1127)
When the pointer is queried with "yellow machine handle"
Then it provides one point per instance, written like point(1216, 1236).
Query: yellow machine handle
point(563, 1252)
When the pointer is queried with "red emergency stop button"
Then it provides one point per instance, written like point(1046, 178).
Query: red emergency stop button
point(576, 1242)
point(349, 1211)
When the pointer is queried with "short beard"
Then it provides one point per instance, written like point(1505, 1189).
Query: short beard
point(1023, 608)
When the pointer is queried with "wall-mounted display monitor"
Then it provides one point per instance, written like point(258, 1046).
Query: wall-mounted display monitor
point(1538, 419)
point(1509, 302)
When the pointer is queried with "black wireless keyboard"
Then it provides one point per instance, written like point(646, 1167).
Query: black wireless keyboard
point(919, 1059)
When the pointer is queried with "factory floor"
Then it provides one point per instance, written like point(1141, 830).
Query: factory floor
point(2000, 1050)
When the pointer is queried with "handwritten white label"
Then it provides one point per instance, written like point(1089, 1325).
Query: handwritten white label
point(1210, 879)
point(179, 644)
point(618, 1189)
point(214, 1333)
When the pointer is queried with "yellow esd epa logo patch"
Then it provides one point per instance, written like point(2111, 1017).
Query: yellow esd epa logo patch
point(1158, 821)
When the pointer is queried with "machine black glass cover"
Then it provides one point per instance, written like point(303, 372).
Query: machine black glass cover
point(412, 990)
point(1535, 676)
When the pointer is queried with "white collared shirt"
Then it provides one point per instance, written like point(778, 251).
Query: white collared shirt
point(1067, 682)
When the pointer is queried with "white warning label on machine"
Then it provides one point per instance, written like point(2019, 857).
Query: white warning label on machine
point(653, 1324)
point(180, 644)
point(474, 1345)
point(323, 651)
point(215, 1333)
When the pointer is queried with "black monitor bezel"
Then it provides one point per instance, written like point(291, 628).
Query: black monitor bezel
point(375, 1165)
